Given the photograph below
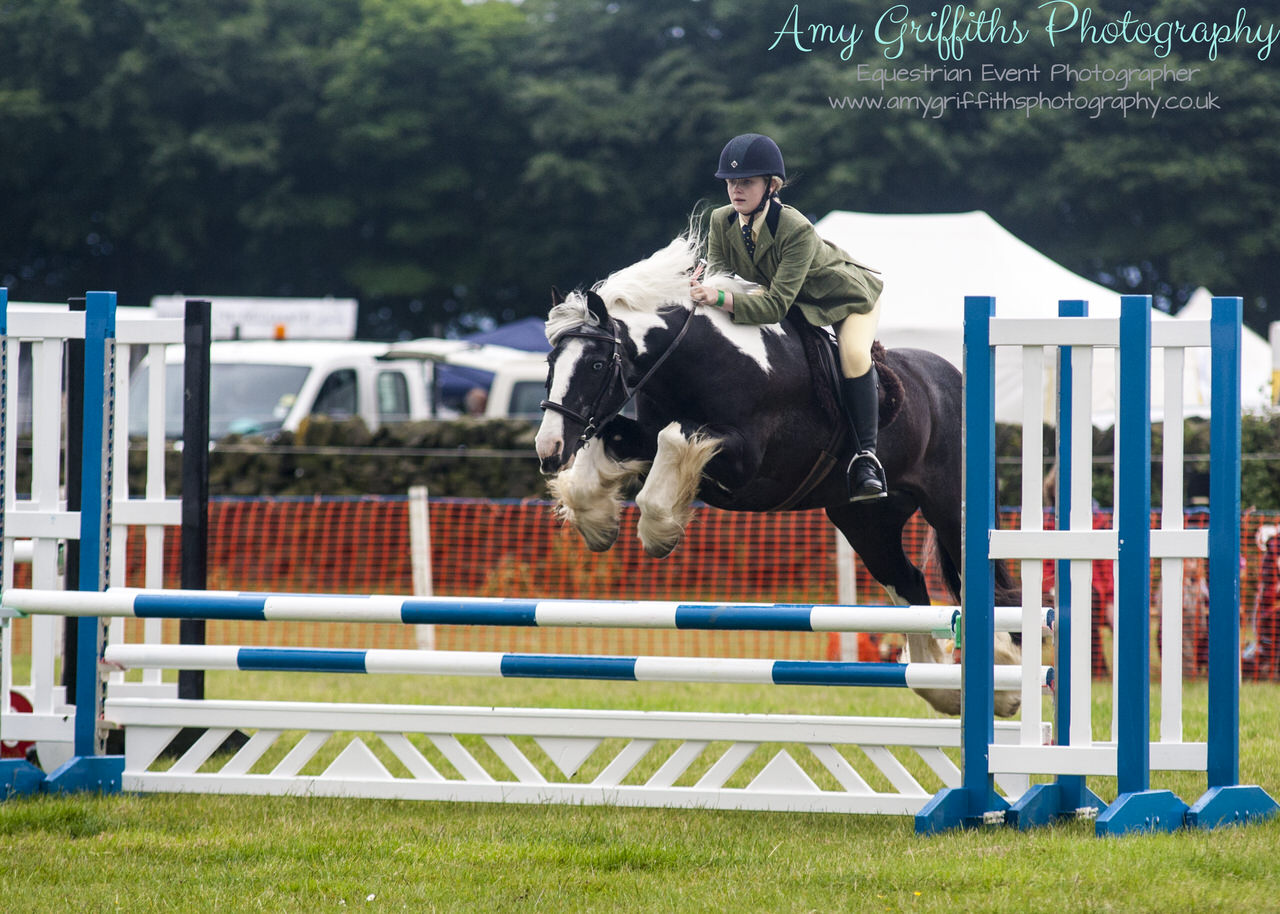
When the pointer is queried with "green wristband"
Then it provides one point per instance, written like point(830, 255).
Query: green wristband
point(720, 299)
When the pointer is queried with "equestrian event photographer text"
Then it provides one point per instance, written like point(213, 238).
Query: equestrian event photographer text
point(953, 27)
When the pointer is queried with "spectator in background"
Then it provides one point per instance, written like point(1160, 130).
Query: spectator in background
point(1262, 658)
point(1102, 592)
point(475, 401)
point(1195, 618)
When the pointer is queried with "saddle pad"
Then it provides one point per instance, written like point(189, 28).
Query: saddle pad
point(824, 364)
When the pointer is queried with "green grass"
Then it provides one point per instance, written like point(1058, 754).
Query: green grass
point(194, 853)
point(243, 854)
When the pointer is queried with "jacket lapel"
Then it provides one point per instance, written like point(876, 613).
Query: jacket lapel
point(768, 228)
point(736, 248)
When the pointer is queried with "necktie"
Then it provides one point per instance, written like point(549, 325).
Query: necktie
point(749, 240)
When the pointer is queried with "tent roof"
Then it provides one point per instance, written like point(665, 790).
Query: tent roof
point(528, 333)
point(930, 262)
point(1255, 357)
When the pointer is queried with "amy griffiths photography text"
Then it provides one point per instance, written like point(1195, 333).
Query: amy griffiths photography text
point(952, 28)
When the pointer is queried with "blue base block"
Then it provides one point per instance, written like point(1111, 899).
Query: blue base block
point(87, 773)
point(1143, 811)
point(19, 778)
point(944, 812)
point(1234, 805)
point(1045, 804)
point(949, 809)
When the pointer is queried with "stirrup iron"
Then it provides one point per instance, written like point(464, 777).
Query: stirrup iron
point(865, 477)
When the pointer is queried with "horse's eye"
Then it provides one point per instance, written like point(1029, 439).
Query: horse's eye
point(596, 366)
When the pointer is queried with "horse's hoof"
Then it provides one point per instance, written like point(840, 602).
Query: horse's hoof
point(943, 701)
point(601, 542)
point(659, 534)
point(1007, 704)
point(659, 552)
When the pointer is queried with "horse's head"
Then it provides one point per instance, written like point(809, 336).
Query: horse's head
point(585, 382)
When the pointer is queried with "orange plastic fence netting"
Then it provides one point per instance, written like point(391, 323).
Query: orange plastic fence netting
point(506, 549)
point(520, 549)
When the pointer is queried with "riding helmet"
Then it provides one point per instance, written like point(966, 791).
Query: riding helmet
point(749, 155)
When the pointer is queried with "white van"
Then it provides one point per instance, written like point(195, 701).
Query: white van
point(518, 389)
point(261, 386)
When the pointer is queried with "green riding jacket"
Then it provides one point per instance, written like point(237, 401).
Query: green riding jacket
point(793, 265)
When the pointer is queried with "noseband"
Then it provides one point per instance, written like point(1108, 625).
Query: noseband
point(591, 425)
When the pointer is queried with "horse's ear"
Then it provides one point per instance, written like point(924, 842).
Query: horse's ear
point(557, 297)
point(595, 304)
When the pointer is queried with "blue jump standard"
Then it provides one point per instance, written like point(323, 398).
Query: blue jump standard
point(1138, 808)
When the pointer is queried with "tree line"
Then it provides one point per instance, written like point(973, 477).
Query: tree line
point(447, 162)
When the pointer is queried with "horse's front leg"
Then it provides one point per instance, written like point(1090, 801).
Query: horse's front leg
point(589, 493)
point(926, 649)
point(666, 500)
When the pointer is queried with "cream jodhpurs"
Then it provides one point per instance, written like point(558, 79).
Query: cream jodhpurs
point(854, 336)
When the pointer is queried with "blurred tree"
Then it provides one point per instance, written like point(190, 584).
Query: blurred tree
point(447, 161)
point(426, 151)
point(160, 128)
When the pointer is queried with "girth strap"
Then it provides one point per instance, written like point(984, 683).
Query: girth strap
point(820, 355)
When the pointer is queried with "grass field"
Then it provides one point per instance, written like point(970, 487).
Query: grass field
point(193, 853)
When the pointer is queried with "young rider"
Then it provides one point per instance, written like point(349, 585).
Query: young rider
point(769, 243)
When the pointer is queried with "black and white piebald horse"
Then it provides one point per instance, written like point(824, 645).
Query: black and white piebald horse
point(732, 415)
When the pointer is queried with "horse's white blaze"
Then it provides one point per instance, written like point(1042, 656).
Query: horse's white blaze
point(666, 500)
point(550, 438)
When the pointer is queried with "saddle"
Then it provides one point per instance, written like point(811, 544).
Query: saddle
point(824, 364)
point(823, 356)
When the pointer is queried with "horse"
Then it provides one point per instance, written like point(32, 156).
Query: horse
point(732, 415)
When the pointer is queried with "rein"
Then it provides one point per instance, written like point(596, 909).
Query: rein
point(590, 424)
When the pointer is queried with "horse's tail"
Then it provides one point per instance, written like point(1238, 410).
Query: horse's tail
point(1008, 593)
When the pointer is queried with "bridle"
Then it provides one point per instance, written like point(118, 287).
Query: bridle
point(591, 424)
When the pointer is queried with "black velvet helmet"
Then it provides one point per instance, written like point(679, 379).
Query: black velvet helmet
point(750, 155)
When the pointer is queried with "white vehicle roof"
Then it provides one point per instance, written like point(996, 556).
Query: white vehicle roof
point(485, 356)
point(285, 352)
point(264, 385)
point(238, 317)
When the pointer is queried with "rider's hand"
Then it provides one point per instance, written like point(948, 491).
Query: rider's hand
point(708, 295)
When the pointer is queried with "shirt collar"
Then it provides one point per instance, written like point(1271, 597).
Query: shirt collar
point(759, 220)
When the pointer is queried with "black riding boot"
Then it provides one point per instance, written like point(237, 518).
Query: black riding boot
point(862, 405)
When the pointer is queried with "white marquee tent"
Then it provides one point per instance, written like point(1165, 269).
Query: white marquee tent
point(1255, 359)
point(931, 262)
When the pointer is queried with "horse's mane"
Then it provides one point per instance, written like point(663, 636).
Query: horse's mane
point(659, 281)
